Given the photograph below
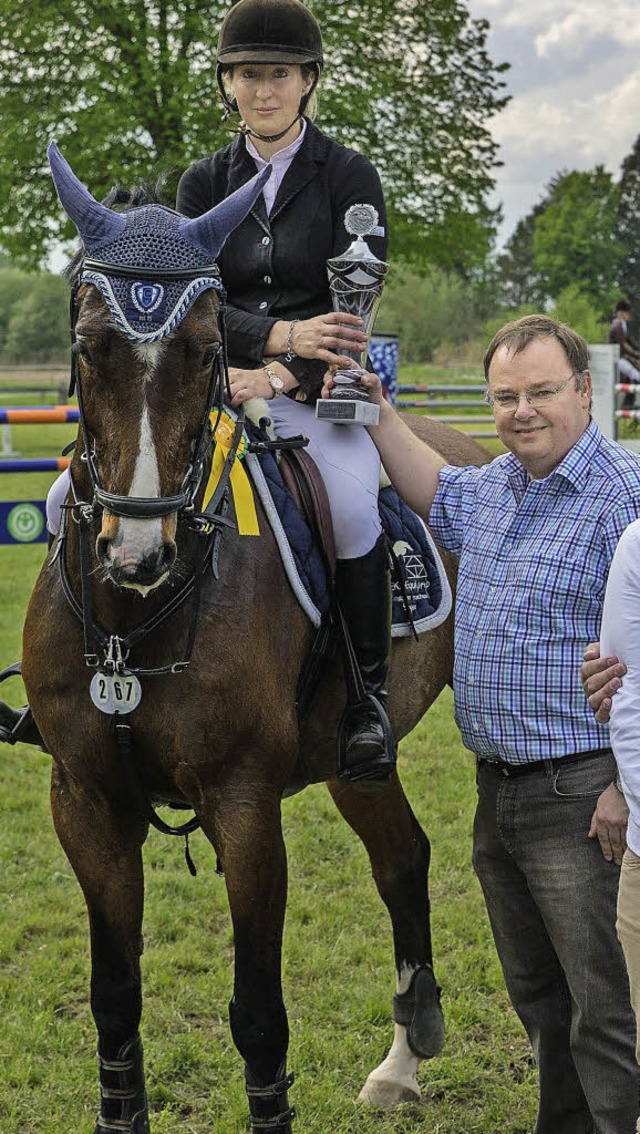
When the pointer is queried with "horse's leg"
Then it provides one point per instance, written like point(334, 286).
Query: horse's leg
point(244, 825)
point(399, 853)
point(105, 853)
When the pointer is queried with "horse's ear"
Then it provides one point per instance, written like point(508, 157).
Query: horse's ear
point(96, 224)
point(212, 229)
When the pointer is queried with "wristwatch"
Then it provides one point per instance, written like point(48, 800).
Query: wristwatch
point(275, 381)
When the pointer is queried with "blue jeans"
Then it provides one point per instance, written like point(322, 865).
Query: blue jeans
point(551, 899)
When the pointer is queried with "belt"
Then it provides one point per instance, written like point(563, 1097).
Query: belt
point(550, 764)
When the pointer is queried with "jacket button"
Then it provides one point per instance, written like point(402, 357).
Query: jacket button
point(266, 279)
point(263, 305)
point(266, 240)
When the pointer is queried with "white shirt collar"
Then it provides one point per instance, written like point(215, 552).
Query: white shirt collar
point(282, 157)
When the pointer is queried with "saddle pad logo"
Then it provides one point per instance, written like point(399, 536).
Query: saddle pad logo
point(146, 297)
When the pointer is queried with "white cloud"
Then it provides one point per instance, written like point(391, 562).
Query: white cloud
point(582, 23)
point(593, 127)
point(563, 23)
point(575, 81)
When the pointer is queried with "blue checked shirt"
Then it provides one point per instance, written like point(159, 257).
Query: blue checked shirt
point(534, 557)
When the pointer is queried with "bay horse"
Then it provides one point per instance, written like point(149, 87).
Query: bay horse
point(207, 647)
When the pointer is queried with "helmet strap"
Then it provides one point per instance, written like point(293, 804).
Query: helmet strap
point(249, 133)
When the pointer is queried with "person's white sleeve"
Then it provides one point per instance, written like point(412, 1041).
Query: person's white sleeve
point(620, 636)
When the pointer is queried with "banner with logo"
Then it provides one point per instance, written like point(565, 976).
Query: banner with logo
point(23, 521)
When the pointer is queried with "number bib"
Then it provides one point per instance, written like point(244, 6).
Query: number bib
point(115, 692)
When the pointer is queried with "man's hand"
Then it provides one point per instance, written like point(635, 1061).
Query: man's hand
point(601, 678)
point(371, 382)
point(609, 824)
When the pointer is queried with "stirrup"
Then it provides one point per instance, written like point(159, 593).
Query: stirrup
point(377, 770)
point(17, 726)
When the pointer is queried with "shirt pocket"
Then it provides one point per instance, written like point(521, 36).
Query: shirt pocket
point(553, 591)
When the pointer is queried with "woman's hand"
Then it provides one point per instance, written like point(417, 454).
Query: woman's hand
point(247, 384)
point(326, 336)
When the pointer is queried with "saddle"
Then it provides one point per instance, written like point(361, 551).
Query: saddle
point(302, 479)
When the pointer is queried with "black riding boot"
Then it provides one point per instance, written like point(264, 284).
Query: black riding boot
point(17, 726)
point(364, 592)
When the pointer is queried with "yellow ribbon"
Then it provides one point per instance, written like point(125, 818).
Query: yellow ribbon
point(240, 485)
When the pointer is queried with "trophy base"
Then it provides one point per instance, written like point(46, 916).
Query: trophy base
point(343, 411)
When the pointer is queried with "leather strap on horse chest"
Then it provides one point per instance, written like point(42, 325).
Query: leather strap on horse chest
point(126, 749)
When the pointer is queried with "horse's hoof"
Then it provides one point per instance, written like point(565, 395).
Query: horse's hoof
point(383, 1093)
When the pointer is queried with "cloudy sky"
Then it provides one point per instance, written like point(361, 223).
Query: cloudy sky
point(575, 87)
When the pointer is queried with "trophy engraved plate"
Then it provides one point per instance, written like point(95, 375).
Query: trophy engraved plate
point(356, 279)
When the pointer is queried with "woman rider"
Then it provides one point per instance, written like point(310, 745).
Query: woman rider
point(282, 332)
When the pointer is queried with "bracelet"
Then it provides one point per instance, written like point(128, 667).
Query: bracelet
point(618, 782)
point(291, 354)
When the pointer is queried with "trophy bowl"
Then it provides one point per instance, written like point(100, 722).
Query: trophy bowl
point(356, 279)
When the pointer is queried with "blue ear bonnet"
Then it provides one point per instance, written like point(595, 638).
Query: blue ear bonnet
point(150, 263)
point(149, 305)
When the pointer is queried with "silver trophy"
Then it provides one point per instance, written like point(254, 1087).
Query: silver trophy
point(356, 280)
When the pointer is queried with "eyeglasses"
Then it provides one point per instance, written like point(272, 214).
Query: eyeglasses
point(535, 398)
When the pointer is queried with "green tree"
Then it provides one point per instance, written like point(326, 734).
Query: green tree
point(518, 280)
point(628, 229)
point(575, 236)
point(14, 287)
point(425, 310)
point(129, 85)
point(574, 307)
point(38, 329)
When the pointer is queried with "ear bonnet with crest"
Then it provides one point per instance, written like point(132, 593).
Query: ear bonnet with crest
point(150, 263)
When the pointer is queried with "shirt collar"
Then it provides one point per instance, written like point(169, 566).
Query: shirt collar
point(282, 156)
point(574, 468)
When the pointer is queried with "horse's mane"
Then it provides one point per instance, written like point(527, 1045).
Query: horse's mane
point(122, 200)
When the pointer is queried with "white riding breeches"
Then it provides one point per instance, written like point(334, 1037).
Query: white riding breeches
point(349, 465)
point(627, 371)
point(56, 497)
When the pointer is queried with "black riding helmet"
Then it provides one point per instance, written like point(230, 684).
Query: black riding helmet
point(268, 31)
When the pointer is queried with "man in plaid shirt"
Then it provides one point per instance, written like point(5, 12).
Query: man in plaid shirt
point(535, 531)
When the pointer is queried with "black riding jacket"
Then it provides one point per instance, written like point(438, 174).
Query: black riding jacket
point(274, 267)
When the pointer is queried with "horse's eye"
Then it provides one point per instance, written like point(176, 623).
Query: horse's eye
point(208, 357)
point(84, 353)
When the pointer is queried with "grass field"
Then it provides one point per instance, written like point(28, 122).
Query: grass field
point(338, 968)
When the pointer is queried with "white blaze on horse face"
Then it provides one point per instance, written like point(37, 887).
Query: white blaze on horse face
point(149, 354)
point(137, 539)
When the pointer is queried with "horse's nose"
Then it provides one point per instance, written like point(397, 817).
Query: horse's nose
point(144, 570)
point(154, 564)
